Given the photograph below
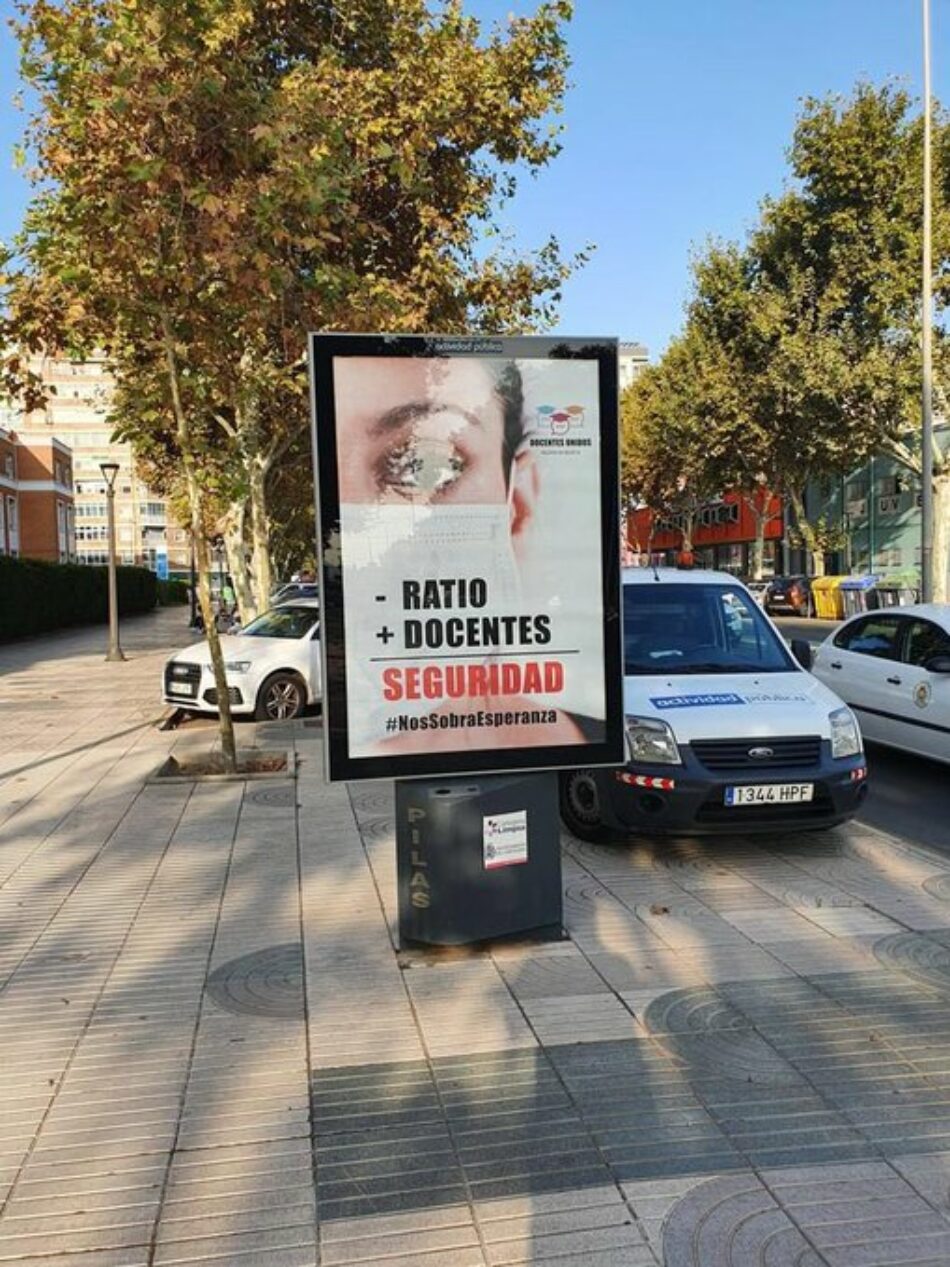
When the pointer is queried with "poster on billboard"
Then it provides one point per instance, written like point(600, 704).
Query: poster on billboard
point(467, 511)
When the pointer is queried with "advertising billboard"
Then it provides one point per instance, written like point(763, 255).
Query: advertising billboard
point(467, 503)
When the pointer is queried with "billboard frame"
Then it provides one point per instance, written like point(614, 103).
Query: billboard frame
point(339, 765)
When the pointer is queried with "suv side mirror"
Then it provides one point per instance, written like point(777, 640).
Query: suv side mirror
point(801, 650)
point(938, 664)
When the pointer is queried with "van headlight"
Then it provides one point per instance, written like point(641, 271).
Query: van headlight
point(652, 740)
point(845, 735)
point(237, 666)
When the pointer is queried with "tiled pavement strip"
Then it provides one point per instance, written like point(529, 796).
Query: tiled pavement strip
point(210, 1051)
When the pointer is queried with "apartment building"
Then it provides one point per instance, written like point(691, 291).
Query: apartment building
point(76, 411)
point(36, 497)
point(631, 360)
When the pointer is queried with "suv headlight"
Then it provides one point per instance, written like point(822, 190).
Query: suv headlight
point(652, 740)
point(237, 666)
point(845, 735)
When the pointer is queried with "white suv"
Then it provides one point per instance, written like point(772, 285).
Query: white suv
point(272, 666)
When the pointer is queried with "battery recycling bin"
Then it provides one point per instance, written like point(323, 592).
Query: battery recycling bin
point(855, 594)
point(478, 857)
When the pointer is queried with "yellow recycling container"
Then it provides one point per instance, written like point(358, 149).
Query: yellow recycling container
point(829, 601)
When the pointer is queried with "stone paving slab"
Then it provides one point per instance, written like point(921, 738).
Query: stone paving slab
point(213, 1053)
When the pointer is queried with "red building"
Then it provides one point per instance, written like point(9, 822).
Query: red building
point(723, 535)
point(36, 497)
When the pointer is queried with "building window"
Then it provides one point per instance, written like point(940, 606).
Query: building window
point(61, 538)
point(91, 510)
point(92, 532)
point(8, 465)
point(13, 526)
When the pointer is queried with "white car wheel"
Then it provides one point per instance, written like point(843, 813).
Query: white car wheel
point(281, 698)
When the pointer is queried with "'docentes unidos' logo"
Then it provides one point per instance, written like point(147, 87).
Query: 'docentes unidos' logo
point(559, 419)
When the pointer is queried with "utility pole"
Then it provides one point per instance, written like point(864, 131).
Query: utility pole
point(926, 343)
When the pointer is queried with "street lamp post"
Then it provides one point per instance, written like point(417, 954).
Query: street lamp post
point(193, 591)
point(926, 344)
point(110, 470)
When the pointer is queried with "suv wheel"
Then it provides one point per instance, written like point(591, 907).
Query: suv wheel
point(282, 698)
point(580, 806)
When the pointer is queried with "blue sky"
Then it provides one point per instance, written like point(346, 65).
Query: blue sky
point(677, 124)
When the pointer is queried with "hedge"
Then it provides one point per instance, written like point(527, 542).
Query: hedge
point(171, 592)
point(36, 597)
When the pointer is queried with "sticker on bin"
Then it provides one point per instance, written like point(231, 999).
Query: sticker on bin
point(505, 839)
point(770, 794)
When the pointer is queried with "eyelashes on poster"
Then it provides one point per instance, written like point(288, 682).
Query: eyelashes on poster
point(467, 508)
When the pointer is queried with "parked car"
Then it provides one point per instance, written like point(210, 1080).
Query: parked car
point(893, 668)
point(758, 590)
point(790, 595)
point(726, 730)
point(272, 667)
point(292, 591)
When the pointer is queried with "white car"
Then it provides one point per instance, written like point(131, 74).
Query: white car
point(893, 668)
point(727, 731)
point(292, 591)
point(272, 666)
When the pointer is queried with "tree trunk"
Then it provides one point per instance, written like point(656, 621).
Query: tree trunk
point(761, 517)
point(237, 561)
point(686, 532)
point(758, 549)
point(202, 553)
point(941, 554)
point(807, 533)
point(260, 532)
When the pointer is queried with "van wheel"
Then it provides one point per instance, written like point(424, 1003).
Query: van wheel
point(282, 698)
point(580, 806)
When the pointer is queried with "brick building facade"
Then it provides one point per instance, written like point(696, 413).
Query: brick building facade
point(36, 497)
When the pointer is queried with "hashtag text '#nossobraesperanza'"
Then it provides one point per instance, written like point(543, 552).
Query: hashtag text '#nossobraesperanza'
point(463, 721)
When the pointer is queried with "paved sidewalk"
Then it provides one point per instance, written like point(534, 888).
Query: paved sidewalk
point(211, 1051)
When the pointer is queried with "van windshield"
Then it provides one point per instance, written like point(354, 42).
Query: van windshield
point(697, 628)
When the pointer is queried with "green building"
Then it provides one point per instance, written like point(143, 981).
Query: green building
point(878, 506)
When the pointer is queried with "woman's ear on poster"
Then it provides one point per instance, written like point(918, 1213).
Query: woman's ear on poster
point(524, 487)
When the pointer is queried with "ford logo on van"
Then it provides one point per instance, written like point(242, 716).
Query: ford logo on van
point(761, 754)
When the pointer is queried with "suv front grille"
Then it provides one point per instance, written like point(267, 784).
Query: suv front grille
point(733, 754)
point(182, 674)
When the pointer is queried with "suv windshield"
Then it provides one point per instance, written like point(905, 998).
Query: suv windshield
point(697, 628)
point(282, 622)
